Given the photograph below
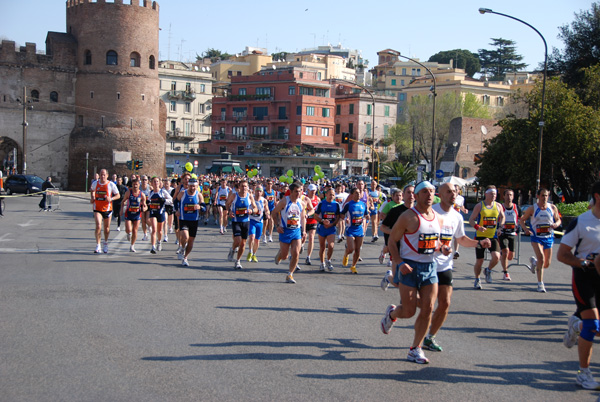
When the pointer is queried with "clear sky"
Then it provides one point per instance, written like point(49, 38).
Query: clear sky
point(414, 28)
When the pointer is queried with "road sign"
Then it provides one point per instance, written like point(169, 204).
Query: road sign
point(177, 162)
point(439, 173)
point(195, 163)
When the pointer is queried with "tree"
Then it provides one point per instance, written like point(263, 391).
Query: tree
point(472, 107)
point(214, 55)
point(582, 46)
point(279, 56)
point(404, 172)
point(462, 58)
point(570, 152)
point(496, 63)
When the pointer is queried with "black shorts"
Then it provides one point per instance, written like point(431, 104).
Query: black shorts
point(240, 229)
point(176, 223)
point(105, 214)
point(586, 288)
point(480, 251)
point(445, 277)
point(310, 226)
point(507, 242)
point(160, 218)
point(169, 209)
point(190, 226)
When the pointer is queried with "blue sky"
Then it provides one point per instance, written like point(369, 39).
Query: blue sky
point(416, 29)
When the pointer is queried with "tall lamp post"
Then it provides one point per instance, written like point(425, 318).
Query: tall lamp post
point(372, 129)
point(541, 123)
point(433, 114)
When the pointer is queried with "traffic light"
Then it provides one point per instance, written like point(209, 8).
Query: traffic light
point(129, 164)
point(136, 164)
point(247, 168)
point(140, 164)
point(345, 138)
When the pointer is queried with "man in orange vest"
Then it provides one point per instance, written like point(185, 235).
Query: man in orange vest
point(103, 193)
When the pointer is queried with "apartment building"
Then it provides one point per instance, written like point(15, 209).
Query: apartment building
point(187, 92)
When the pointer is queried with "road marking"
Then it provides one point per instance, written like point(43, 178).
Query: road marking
point(28, 223)
point(3, 237)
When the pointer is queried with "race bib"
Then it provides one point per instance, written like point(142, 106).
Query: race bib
point(489, 222)
point(189, 208)
point(427, 243)
point(446, 239)
point(134, 209)
point(293, 221)
point(509, 227)
point(329, 215)
point(242, 211)
point(100, 195)
point(542, 230)
point(357, 220)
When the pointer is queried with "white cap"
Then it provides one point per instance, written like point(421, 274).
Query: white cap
point(312, 187)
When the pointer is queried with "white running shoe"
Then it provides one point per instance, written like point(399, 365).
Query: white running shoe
point(264, 240)
point(230, 255)
point(488, 275)
point(118, 228)
point(585, 379)
point(176, 242)
point(386, 322)
point(185, 263)
point(322, 267)
point(277, 259)
point(477, 284)
point(98, 250)
point(385, 282)
point(541, 288)
point(533, 262)
point(171, 231)
point(329, 265)
point(572, 334)
point(153, 250)
point(105, 247)
point(238, 265)
point(416, 355)
point(128, 236)
point(145, 237)
point(389, 263)
point(180, 253)
point(290, 278)
point(132, 249)
point(270, 239)
point(166, 239)
point(381, 258)
point(159, 247)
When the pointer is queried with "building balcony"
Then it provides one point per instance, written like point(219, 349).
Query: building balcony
point(177, 134)
point(219, 136)
point(188, 95)
point(174, 95)
point(249, 98)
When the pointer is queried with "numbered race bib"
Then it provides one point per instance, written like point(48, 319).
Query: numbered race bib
point(509, 227)
point(489, 222)
point(293, 221)
point(446, 239)
point(222, 197)
point(134, 209)
point(100, 195)
point(427, 243)
point(542, 231)
point(329, 216)
point(241, 212)
point(189, 208)
point(357, 220)
point(155, 205)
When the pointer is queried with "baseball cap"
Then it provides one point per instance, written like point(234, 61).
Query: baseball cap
point(312, 187)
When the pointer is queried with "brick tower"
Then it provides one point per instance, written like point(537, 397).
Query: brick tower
point(118, 113)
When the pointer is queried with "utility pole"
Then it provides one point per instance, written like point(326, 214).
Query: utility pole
point(24, 130)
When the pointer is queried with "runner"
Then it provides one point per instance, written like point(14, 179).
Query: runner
point(134, 202)
point(357, 210)
point(240, 205)
point(145, 188)
point(169, 209)
point(459, 206)
point(206, 195)
point(291, 217)
point(396, 199)
point(487, 216)
point(328, 213)
point(377, 197)
point(508, 233)
point(271, 196)
point(452, 229)
point(220, 203)
point(256, 223)
point(117, 203)
point(583, 234)
point(340, 197)
point(156, 204)
point(190, 207)
point(414, 266)
point(183, 183)
point(544, 219)
point(102, 195)
point(311, 200)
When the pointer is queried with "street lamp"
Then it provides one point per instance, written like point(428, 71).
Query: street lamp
point(541, 123)
point(433, 114)
point(454, 145)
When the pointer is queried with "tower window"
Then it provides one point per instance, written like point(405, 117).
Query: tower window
point(53, 96)
point(134, 59)
point(112, 59)
point(88, 58)
point(152, 63)
point(35, 95)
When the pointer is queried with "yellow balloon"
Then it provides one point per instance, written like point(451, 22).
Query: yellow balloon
point(189, 167)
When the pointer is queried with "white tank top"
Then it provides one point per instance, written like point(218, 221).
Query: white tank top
point(420, 245)
point(260, 204)
point(290, 215)
point(541, 221)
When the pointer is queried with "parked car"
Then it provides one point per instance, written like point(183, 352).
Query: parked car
point(20, 183)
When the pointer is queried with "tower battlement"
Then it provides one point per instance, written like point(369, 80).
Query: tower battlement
point(144, 3)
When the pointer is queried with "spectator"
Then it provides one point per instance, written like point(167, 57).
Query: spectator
point(47, 185)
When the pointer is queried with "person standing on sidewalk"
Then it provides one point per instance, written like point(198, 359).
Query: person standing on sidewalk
point(45, 186)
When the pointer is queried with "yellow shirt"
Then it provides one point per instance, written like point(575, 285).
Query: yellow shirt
point(488, 218)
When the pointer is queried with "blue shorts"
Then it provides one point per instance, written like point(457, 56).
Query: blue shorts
point(256, 228)
point(373, 212)
point(321, 231)
point(355, 231)
point(546, 242)
point(423, 274)
point(289, 235)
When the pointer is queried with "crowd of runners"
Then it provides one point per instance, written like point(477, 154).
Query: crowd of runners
point(422, 235)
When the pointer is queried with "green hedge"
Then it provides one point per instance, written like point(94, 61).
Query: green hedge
point(574, 209)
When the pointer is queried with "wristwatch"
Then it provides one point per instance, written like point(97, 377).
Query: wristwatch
point(585, 264)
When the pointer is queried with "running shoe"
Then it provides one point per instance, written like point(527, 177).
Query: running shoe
point(389, 263)
point(456, 255)
point(488, 275)
point(105, 247)
point(329, 265)
point(572, 334)
point(185, 263)
point(221, 231)
point(345, 260)
point(128, 236)
point(132, 249)
point(145, 237)
point(585, 379)
point(340, 239)
point(254, 259)
point(97, 250)
point(153, 250)
point(477, 284)
point(301, 249)
point(249, 256)
point(533, 262)
point(385, 282)
point(238, 265)
point(118, 228)
point(375, 238)
point(298, 267)
point(270, 239)
point(205, 222)
point(264, 240)
point(290, 278)
point(506, 276)
point(166, 239)
point(230, 255)
point(159, 247)
point(541, 288)
point(176, 242)
point(381, 258)
point(430, 344)
point(307, 262)
point(387, 322)
point(171, 231)
point(180, 253)
point(277, 259)
point(416, 355)
point(353, 270)
point(360, 259)
point(322, 267)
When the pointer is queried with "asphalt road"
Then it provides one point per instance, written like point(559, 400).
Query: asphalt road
point(139, 327)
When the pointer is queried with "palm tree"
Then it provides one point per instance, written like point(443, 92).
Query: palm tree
point(401, 174)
